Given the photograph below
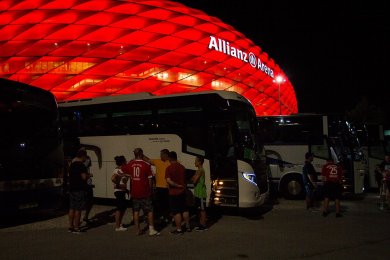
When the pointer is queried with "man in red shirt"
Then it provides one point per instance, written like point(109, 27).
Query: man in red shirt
point(175, 176)
point(141, 176)
point(333, 188)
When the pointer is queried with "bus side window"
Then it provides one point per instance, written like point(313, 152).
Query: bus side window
point(131, 122)
point(93, 124)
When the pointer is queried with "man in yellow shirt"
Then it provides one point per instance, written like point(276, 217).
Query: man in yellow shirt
point(161, 194)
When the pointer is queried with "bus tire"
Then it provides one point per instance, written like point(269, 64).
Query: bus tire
point(292, 187)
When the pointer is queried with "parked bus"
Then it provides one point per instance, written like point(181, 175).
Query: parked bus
point(218, 125)
point(31, 152)
point(288, 138)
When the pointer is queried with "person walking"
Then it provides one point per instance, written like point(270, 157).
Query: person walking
point(384, 168)
point(120, 191)
point(309, 180)
point(200, 193)
point(141, 175)
point(333, 188)
point(175, 176)
point(78, 176)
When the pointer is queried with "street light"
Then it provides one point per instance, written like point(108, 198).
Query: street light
point(279, 80)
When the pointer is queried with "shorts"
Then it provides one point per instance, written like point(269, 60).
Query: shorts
point(178, 203)
point(387, 184)
point(200, 203)
point(333, 190)
point(121, 202)
point(77, 200)
point(144, 204)
point(309, 191)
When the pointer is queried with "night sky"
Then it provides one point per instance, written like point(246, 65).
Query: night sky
point(334, 52)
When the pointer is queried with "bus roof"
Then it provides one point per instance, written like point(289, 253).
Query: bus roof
point(147, 96)
point(17, 86)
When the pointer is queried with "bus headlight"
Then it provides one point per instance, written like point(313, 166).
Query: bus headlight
point(251, 177)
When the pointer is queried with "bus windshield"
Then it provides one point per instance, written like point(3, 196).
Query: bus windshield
point(31, 125)
point(31, 150)
point(30, 117)
point(246, 138)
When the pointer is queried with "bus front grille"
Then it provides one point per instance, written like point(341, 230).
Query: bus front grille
point(225, 192)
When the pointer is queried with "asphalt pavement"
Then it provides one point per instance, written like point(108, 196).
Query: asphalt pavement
point(282, 229)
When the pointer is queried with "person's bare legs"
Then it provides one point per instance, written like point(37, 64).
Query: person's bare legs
point(87, 211)
point(337, 203)
point(202, 218)
point(152, 231)
point(71, 218)
point(177, 218)
point(186, 217)
point(76, 221)
point(136, 222)
point(150, 218)
point(118, 218)
point(325, 207)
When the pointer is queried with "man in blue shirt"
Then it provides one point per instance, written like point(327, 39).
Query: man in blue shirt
point(309, 177)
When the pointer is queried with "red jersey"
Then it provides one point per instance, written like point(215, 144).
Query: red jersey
point(140, 173)
point(332, 172)
point(176, 172)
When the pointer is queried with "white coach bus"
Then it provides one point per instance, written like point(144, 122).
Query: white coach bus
point(218, 125)
point(287, 138)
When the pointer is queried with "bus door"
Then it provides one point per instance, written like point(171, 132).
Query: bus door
point(223, 164)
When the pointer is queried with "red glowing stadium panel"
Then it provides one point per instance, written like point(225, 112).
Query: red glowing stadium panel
point(90, 48)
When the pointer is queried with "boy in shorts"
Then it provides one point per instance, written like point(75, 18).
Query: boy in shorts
point(200, 193)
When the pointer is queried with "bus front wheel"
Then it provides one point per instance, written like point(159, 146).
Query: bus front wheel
point(292, 187)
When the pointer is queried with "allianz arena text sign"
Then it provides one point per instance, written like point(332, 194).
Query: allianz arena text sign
point(225, 47)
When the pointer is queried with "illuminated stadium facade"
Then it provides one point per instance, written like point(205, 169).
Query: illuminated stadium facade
point(89, 48)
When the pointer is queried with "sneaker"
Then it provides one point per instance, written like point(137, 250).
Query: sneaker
point(121, 228)
point(77, 231)
point(177, 232)
point(70, 230)
point(338, 215)
point(200, 228)
point(153, 233)
point(325, 213)
point(188, 229)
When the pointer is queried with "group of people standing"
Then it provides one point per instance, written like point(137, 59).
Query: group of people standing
point(332, 173)
point(163, 191)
